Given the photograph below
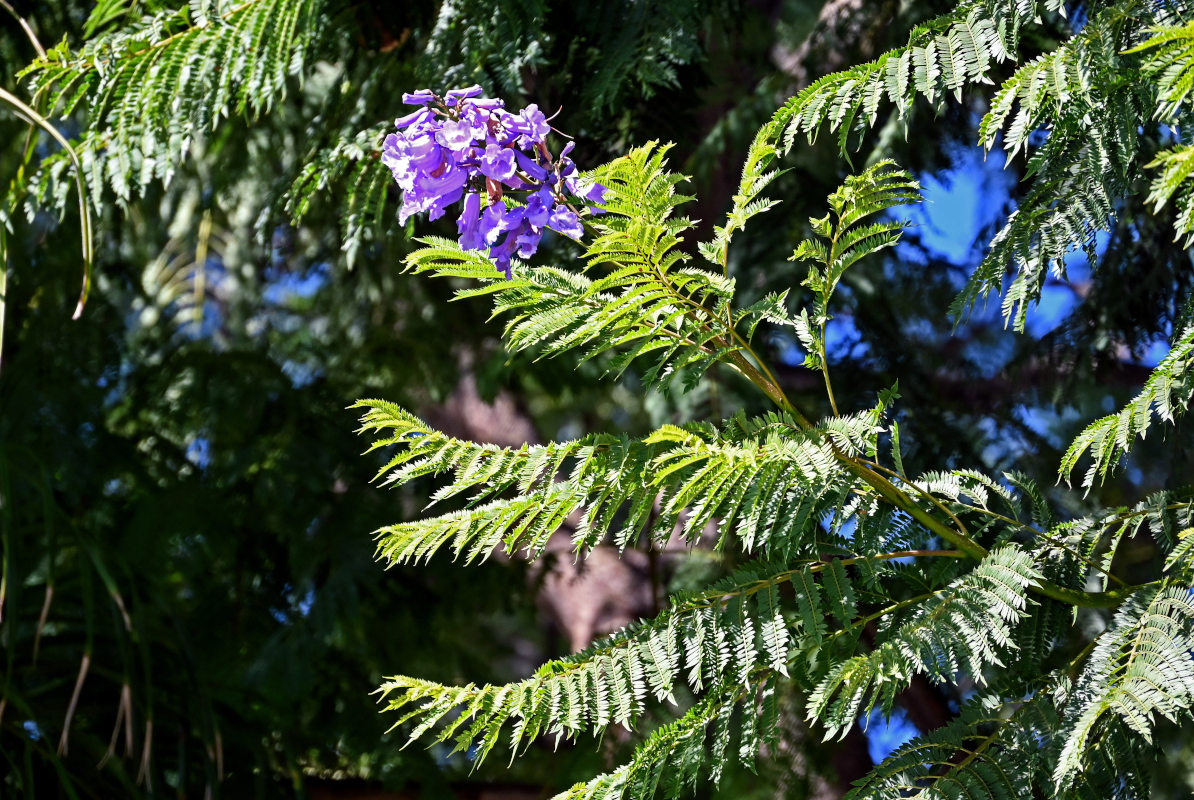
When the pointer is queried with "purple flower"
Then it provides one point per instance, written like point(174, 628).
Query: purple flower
point(455, 95)
point(461, 145)
point(409, 160)
point(566, 222)
point(538, 209)
point(437, 206)
point(530, 166)
point(497, 219)
point(530, 124)
point(455, 135)
point(498, 163)
point(501, 253)
point(420, 97)
point(433, 192)
point(420, 116)
point(468, 226)
point(476, 119)
point(408, 209)
point(589, 191)
point(528, 243)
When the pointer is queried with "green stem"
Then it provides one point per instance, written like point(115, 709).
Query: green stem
point(1072, 668)
point(41, 51)
point(781, 577)
point(1076, 597)
point(899, 499)
point(30, 115)
point(771, 389)
point(922, 492)
point(825, 366)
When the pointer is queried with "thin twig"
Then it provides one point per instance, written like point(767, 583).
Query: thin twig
point(41, 51)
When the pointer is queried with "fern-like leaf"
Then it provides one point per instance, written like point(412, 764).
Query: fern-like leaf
point(1166, 394)
point(1139, 670)
point(153, 87)
point(964, 628)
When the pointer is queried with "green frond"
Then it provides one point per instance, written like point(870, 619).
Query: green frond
point(673, 756)
point(991, 751)
point(755, 177)
point(153, 87)
point(609, 786)
point(942, 58)
point(1176, 166)
point(606, 473)
point(1170, 60)
point(728, 644)
point(707, 641)
point(1076, 110)
point(353, 164)
point(1041, 514)
point(1181, 559)
point(965, 627)
point(771, 308)
point(841, 241)
point(766, 491)
point(1139, 670)
point(1083, 550)
point(1166, 394)
point(1162, 514)
point(969, 488)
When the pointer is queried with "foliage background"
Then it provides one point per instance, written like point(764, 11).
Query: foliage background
point(179, 482)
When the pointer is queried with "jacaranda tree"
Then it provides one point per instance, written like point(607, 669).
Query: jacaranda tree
point(852, 575)
point(1058, 633)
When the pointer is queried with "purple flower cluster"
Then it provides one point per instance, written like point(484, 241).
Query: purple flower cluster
point(463, 145)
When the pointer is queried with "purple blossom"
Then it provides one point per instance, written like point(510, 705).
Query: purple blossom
point(462, 145)
point(498, 163)
point(497, 219)
point(456, 135)
point(454, 96)
point(420, 116)
point(589, 191)
point(468, 226)
point(501, 254)
point(538, 208)
point(438, 206)
point(530, 124)
point(420, 97)
point(565, 221)
point(530, 166)
point(528, 243)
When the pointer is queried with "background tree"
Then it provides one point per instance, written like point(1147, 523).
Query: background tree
point(182, 496)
